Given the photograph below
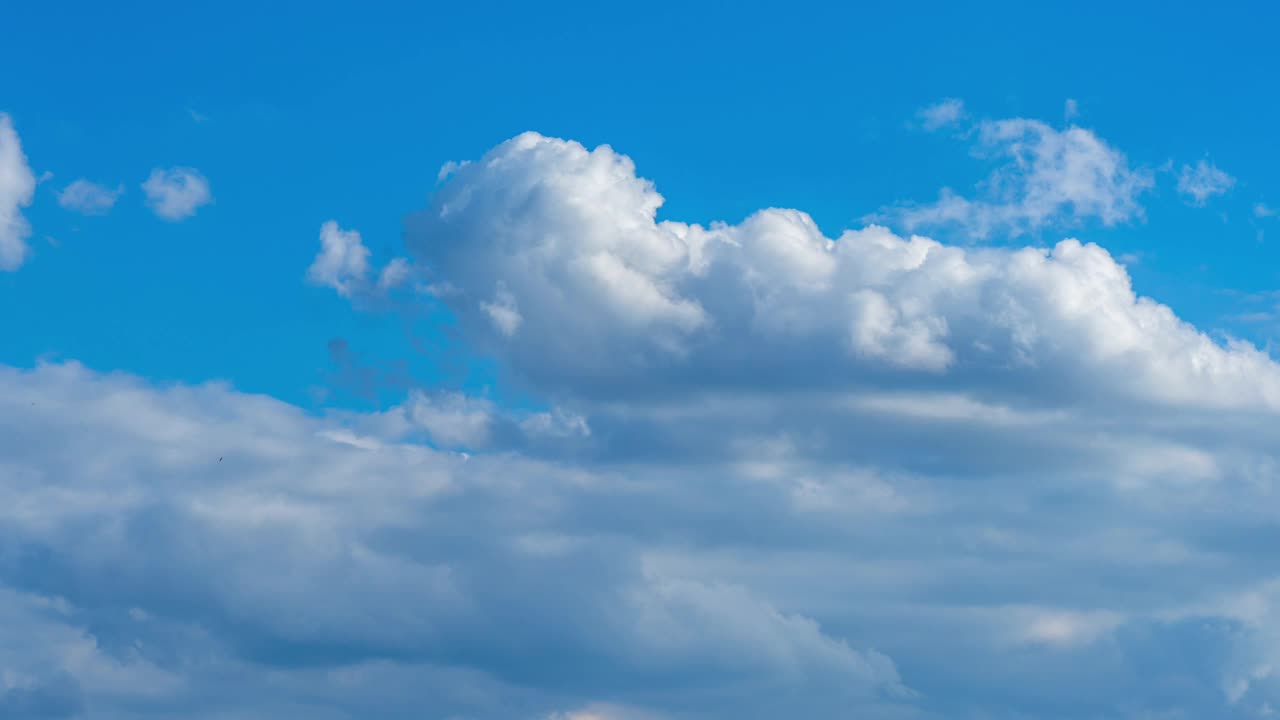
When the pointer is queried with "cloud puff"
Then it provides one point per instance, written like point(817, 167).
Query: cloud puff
point(941, 114)
point(175, 194)
point(343, 260)
point(89, 198)
point(343, 264)
point(1049, 177)
point(17, 187)
point(1203, 181)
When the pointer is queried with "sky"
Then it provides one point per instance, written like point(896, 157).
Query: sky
point(560, 361)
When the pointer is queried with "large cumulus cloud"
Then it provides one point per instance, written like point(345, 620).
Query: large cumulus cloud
point(775, 474)
point(553, 256)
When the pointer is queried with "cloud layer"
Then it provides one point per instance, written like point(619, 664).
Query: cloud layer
point(768, 474)
point(191, 536)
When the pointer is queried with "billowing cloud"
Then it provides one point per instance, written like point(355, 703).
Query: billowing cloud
point(756, 472)
point(606, 301)
point(1047, 177)
point(89, 198)
point(184, 537)
point(17, 187)
point(1203, 181)
point(175, 194)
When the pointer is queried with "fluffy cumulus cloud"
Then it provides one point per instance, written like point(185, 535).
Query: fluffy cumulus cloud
point(89, 198)
point(186, 540)
point(176, 193)
point(343, 264)
point(17, 187)
point(1044, 177)
point(600, 300)
point(343, 260)
point(766, 473)
point(1203, 181)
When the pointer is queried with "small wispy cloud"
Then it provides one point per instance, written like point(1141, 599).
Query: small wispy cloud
point(448, 169)
point(89, 198)
point(941, 114)
point(1049, 177)
point(1203, 181)
point(1262, 210)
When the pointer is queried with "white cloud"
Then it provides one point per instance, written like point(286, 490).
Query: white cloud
point(448, 169)
point(557, 422)
point(343, 260)
point(455, 420)
point(1071, 109)
point(762, 464)
point(1262, 210)
point(502, 311)
point(452, 419)
point(227, 535)
point(175, 194)
point(879, 331)
point(394, 274)
point(944, 113)
point(343, 264)
point(537, 216)
point(89, 198)
point(153, 575)
point(1064, 629)
point(1203, 181)
point(1050, 177)
point(17, 187)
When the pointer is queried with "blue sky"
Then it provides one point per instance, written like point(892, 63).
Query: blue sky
point(678, 361)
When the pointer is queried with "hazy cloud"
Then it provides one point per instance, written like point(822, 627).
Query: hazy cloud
point(1203, 181)
point(175, 194)
point(89, 198)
